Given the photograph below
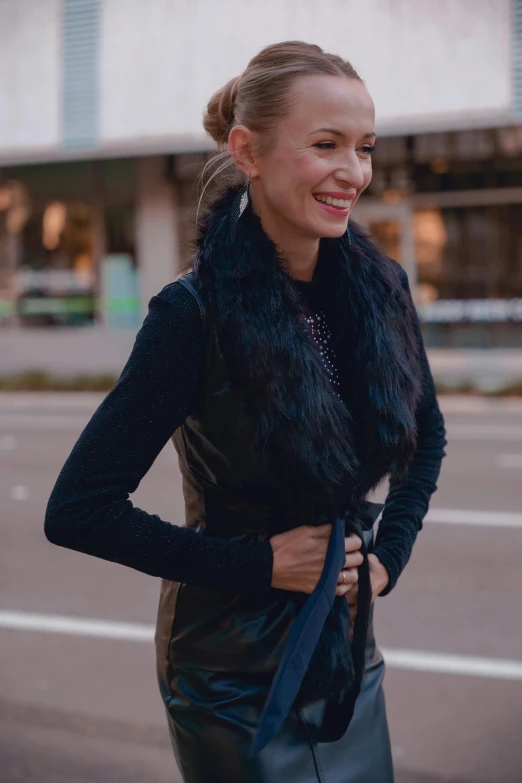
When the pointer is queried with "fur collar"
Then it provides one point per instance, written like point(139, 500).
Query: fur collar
point(324, 450)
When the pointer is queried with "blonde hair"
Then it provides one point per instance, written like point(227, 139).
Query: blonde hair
point(261, 96)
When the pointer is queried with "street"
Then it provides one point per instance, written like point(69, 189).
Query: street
point(79, 700)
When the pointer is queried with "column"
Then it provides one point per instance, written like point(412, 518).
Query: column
point(157, 241)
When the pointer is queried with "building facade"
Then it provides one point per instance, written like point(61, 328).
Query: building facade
point(101, 146)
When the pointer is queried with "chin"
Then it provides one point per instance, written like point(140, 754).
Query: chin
point(336, 233)
point(329, 231)
point(317, 229)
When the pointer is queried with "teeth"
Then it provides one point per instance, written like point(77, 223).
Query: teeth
point(341, 203)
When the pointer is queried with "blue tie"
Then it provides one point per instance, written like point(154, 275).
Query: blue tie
point(306, 630)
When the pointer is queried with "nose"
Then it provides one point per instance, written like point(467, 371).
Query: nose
point(351, 173)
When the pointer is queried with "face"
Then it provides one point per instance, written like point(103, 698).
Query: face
point(320, 162)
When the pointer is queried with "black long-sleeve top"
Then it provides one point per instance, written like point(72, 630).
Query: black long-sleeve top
point(89, 509)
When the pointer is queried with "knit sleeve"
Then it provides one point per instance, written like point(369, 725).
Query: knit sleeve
point(408, 500)
point(89, 509)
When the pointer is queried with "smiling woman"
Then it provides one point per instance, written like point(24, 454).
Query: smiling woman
point(290, 367)
point(307, 174)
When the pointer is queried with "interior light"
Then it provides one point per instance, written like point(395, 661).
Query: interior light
point(53, 224)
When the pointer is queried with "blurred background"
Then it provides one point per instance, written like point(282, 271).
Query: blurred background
point(101, 147)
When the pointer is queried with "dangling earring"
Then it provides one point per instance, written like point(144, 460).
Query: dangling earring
point(241, 202)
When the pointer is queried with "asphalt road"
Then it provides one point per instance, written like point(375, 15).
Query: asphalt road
point(78, 705)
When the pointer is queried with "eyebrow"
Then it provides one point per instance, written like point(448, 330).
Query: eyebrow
point(335, 132)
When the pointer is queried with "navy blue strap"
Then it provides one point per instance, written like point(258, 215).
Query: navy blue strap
point(305, 632)
point(337, 715)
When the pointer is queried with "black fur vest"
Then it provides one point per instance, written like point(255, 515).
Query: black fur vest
point(323, 450)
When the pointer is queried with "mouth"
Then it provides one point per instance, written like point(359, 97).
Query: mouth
point(338, 206)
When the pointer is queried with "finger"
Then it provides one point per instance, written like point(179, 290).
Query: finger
point(350, 579)
point(351, 576)
point(353, 559)
point(352, 543)
point(322, 531)
point(349, 596)
point(348, 576)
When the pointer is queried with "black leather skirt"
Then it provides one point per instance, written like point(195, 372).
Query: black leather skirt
point(217, 653)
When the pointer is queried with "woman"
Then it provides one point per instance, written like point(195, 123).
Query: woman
point(289, 369)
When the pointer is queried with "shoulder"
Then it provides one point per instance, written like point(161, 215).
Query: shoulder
point(173, 316)
point(181, 298)
point(172, 328)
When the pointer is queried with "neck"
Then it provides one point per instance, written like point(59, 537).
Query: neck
point(300, 253)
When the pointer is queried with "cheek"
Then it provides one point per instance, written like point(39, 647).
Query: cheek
point(313, 171)
point(304, 170)
point(292, 179)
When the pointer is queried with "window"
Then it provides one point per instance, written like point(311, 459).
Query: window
point(469, 270)
point(67, 251)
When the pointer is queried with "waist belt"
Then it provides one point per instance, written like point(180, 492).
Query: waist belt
point(306, 630)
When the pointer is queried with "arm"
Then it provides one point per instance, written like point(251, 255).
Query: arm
point(89, 509)
point(407, 501)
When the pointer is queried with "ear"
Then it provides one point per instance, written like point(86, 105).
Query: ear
point(241, 146)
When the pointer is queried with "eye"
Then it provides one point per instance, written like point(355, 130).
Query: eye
point(367, 149)
point(325, 145)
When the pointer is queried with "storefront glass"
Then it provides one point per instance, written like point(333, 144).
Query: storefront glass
point(448, 206)
point(469, 274)
point(67, 256)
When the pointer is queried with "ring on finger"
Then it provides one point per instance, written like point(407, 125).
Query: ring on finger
point(343, 575)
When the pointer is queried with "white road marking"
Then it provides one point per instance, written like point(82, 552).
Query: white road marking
point(413, 660)
point(460, 516)
point(76, 626)
point(509, 461)
point(19, 492)
point(470, 665)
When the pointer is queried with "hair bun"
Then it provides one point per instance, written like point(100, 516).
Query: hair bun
point(219, 115)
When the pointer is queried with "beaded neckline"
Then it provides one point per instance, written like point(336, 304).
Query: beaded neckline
point(316, 323)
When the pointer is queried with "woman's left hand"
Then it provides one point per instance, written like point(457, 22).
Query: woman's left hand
point(378, 579)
